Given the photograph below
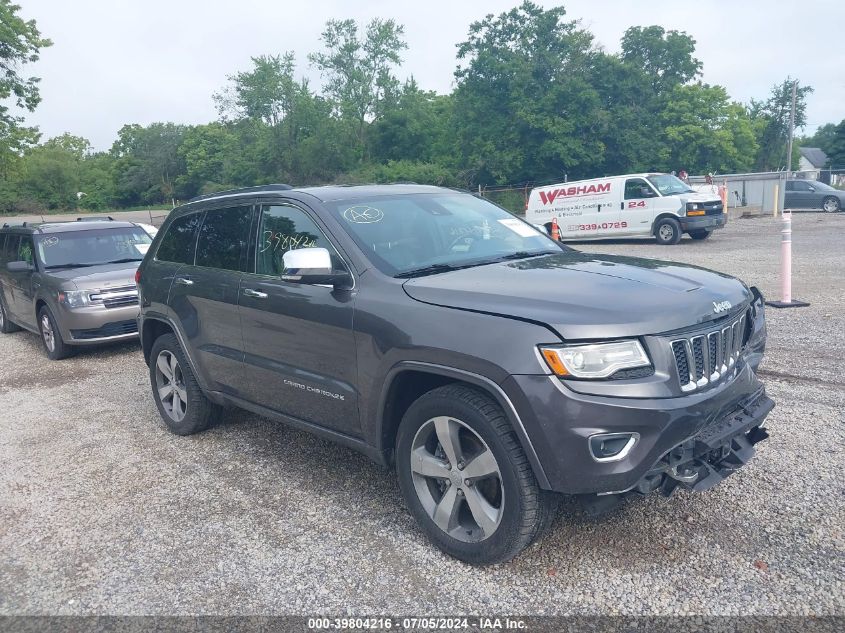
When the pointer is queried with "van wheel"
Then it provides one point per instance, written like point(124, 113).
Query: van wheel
point(466, 479)
point(179, 398)
point(6, 326)
point(700, 234)
point(51, 336)
point(667, 231)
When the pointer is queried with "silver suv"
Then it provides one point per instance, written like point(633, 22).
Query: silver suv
point(73, 283)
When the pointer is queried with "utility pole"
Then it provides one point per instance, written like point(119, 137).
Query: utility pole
point(791, 130)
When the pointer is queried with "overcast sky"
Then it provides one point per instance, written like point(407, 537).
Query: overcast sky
point(140, 61)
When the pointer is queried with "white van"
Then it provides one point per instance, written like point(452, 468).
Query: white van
point(658, 205)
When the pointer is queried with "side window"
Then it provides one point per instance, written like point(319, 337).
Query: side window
point(224, 238)
point(637, 188)
point(4, 255)
point(180, 239)
point(25, 252)
point(284, 228)
point(800, 186)
point(790, 185)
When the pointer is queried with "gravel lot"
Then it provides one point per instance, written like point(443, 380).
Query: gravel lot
point(102, 511)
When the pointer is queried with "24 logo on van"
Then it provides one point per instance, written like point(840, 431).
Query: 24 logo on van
point(573, 192)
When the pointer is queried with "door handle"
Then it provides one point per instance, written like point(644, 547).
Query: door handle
point(249, 292)
point(622, 205)
point(184, 281)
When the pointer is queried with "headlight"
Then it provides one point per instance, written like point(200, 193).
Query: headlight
point(74, 298)
point(598, 360)
point(695, 208)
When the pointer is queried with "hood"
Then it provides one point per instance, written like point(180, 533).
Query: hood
point(699, 197)
point(98, 277)
point(585, 296)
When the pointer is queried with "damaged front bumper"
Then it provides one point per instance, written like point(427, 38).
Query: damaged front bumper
point(702, 461)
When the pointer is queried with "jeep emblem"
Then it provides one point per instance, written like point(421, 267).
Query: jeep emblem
point(721, 306)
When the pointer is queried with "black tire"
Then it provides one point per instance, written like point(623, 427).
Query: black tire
point(831, 204)
point(524, 510)
point(199, 411)
point(700, 234)
point(6, 326)
point(667, 231)
point(51, 336)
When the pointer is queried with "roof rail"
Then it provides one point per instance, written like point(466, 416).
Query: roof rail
point(258, 189)
point(108, 218)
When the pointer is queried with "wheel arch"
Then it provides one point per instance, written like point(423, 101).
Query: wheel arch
point(409, 380)
point(151, 329)
point(663, 216)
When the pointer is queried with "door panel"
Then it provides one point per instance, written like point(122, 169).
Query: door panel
point(298, 341)
point(22, 305)
point(637, 209)
point(204, 296)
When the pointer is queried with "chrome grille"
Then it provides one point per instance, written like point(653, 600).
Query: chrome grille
point(705, 357)
point(115, 297)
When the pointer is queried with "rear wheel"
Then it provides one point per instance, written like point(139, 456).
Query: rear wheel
point(667, 231)
point(466, 479)
point(51, 336)
point(700, 234)
point(6, 326)
point(831, 204)
point(179, 398)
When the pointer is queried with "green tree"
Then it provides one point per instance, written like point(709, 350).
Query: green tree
point(836, 147)
point(525, 106)
point(772, 122)
point(665, 56)
point(20, 44)
point(823, 138)
point(358, 72)
point(147, 163)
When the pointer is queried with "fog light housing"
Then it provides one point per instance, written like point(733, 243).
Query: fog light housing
point(612, 447)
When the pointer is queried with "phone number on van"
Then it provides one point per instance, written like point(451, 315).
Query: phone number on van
point(596, 227)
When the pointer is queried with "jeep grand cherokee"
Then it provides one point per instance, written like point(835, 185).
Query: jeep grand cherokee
point(432, 330)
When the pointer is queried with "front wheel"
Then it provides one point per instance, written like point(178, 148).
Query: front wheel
point(667, 231)
point(700, 234)
point(51, 336)
point(831, 204)
point(466, 479)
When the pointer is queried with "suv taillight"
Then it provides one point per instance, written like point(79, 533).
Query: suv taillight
point(137, 276)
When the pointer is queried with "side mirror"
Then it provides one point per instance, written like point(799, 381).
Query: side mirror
point(313, 266)
point(811, 187)
point(19, 267)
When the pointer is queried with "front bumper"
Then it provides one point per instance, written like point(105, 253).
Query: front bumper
point(93, 325)
point(711, 222)
point(559, 422)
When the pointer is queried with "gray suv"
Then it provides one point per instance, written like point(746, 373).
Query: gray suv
point(432, 330)
point(73, 283)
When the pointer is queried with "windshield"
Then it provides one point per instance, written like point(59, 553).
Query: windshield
point(92, 247)
point(820, 186)
point(407, 234)
point(669, 185)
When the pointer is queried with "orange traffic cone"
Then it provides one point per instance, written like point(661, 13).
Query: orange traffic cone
point(555, 230)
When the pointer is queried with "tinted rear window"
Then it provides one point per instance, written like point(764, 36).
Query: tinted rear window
point(179, 241)
point(223, 238)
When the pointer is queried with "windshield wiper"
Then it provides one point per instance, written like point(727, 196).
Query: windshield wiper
point(428, 270)
point(69, 265)
point(125, 260)
point(520, 255)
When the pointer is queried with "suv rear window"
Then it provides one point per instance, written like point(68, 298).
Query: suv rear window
point(179, 242)
point(224, 238)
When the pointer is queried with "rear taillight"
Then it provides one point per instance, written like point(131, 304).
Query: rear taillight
point(138, 276)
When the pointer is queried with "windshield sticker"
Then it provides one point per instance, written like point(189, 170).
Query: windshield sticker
point(363, 215)
point(520, 228)
point(50, 241)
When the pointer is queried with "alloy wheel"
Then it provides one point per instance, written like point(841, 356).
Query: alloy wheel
point(170, 385)
point(457, 479)
point(830, 205)
point(47, 333)
point(2, 316)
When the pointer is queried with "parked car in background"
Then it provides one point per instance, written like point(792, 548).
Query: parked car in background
point(634, 205)
point(73, 283)
point(431, 329)
point(812, 194)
